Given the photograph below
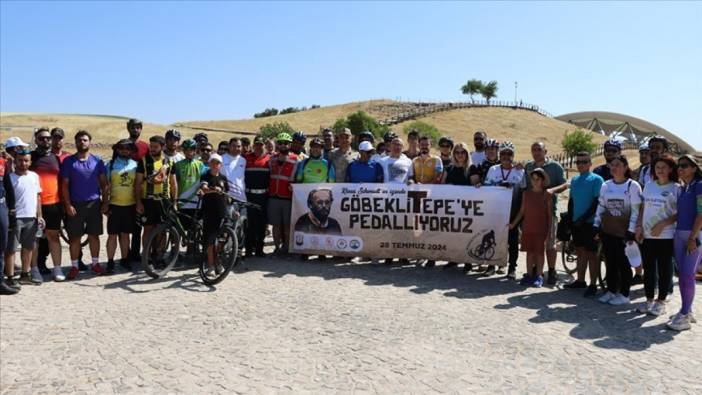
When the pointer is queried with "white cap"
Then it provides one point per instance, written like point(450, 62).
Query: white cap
point(632, 252)
point(365, 146)
point(216, 157)
point(15, 142)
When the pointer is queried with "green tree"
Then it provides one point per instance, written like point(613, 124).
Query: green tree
point(577, 141)
point(268, 112)
point(340, 124)
point(489, 90)
point(270, 130)
point(472, 87)
point(358, 122)
point(424, 129)
point(289, 110)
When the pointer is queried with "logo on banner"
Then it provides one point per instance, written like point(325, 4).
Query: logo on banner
point(482, 246)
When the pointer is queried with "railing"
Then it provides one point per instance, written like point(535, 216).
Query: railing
point(567, 161)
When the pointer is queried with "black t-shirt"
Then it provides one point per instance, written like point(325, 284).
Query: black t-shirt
point(456, 176)
point(481, 169)
point(305, 224)
point(603, 171)
point(214, 205)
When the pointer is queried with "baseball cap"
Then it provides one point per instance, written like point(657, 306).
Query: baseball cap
point(365, 146)
point(258, 140)
point(216, 157)
point(15, 142)
point(346, 131)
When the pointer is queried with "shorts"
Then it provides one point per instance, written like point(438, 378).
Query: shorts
point(121, 219)
point(279, 211)
point(88, 220)
point(154, 211)
point(584, 237)
point(551, 238)
point(53, 214)
point(210, 229)
point(23, 234)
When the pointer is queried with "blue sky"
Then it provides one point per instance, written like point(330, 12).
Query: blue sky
point(167, 62)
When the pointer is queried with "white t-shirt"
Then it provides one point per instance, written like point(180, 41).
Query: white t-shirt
point(645, 175)
point(477, 157)
point(27, 189)
point(177, 157)
point(496, 175)
point(397, 170)
point(234, 167)
point(659, 202)
point(619, 200)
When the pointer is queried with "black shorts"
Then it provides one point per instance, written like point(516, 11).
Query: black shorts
point(210, 228)
point(154, 211)
point(88, 220)
point(121, 219)
point(584, 237)
point(53, 214)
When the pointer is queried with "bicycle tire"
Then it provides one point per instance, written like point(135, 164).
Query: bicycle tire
point(64, 237)
point(227, 257)
point(568, 257)
point(160, 266)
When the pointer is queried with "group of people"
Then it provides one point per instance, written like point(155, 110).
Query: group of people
point(659, 207)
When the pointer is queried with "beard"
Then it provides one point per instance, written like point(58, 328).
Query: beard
point(479, 146)
point(283, 150)
point(424, 152)
point(321, 213)
point(82, 149)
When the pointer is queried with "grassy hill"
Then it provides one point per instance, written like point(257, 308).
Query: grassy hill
point(521, 126)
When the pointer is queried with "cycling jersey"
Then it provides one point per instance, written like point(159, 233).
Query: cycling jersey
point(150, 168)
point(47, 167)
point(311, 171)
point(188, 173)
point(121, 174)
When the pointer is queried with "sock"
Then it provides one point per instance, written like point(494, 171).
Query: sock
point(74, 263)
point(96, 260)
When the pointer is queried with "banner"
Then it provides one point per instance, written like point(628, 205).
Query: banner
point(439, 222)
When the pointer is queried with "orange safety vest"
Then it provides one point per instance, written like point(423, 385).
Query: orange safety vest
point(282, 175)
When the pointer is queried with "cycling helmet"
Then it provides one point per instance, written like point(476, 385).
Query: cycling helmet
point(173, 134)
point(507, 146)
point(299, 136)
point(644, 147)
point(446, 140)
point(659, 139)
point(613, 143)
point(317, 141)
point(189, 144)
point(283, 137)
point(366, 135)
point(200, 137)
point(492, 143)
point(389, 136)
point(134, 122)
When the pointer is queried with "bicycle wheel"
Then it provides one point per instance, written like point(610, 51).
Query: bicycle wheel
point(568, 257)
point(161, 250)
point(226, 248)
point(64, 237)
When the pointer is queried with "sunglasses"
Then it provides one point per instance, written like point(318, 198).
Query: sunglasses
point(43, 138)
point(612, 151)
point(582, 162)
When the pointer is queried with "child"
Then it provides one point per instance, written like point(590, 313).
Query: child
point(535, 209)
point(214, 207)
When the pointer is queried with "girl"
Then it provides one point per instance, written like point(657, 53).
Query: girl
point(535, 209)
point(655, 230)
point(686, 244)
point(456, 173)
point(615, 223)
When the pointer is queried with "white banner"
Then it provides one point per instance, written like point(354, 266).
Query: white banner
point(439, 222)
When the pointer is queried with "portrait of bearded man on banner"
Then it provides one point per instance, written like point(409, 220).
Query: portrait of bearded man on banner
point(317, 220)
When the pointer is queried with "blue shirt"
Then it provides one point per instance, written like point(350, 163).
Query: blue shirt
point(359, 172)
point(585, 190)
point(83, 177)
point(689, 205)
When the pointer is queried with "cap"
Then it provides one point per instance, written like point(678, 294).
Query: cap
point(317, 141)
point(216, 157)
point(15, 142)
point(129, 143)
point(365, 146)
point(345, 131)
point(258, 140)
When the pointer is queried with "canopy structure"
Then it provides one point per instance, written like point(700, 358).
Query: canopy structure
point(624, 126)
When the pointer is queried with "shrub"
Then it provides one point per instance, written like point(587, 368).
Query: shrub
point(268, 112)
point(290, 110)
point(270, 130)
point(424, 129)
point(577, 141)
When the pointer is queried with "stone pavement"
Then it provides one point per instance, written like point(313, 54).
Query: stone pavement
point(311, 327)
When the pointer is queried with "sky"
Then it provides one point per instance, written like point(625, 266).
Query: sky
point(166, 62)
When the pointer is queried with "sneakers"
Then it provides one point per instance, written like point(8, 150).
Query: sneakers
point(538, 281)
point(451, 265)
point(619, 300)
point(430, 263)
point(35, 276)
point(501, 270)
point(526, 279)
point(658, 308)
point(606, 297)
point(551, 279)
point(97, 269)
point(645, 307)
point(81, 266)
point(26, 278)
point(58, 274)
point(591, 291)
point(467, 267)
point(110, 269)
point(576, 285)
point(490, 271)
point(5, 288)
point(73, 273)
point(680, 322)
point(512, 274)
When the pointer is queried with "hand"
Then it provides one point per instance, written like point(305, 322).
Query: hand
point(477, 185)
point(105, 208)
point(41, 223)
point(70, 210)
point(518, 165)
point(639, 235)
point(657, 229)
point(140, 207)
point(691, 246)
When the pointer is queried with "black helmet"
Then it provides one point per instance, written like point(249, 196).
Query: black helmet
point(200, 137)
point(446, 140)
point(660, 139)
point(299, 136)
point(366, 135)
point(134, 122)
point(389, 136)
point(172, 134)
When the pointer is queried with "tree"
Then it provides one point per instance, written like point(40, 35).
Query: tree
point(577, 141)
point(358, 122)
point(424, 129)
point(489, 90)
point(268, 112)
point(472, 87)
point(271, 130)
